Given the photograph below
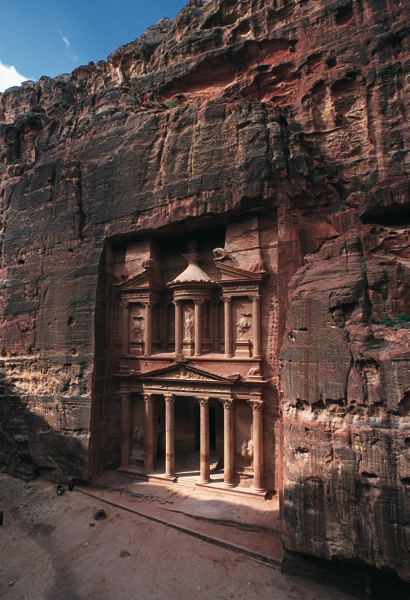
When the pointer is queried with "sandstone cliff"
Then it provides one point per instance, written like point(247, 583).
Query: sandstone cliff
point(296, 106)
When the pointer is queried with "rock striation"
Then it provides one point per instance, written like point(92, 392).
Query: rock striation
point(295, 110)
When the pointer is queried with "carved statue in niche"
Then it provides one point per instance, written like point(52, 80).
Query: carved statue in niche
point(138, 327)
point(138, 436)
point(137, 451)
point(243, 325)
point(246, 451)
point(189, 325)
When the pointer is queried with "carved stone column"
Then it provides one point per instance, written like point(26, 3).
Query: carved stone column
point(212, 326)
point(169, 435)
point(256, 309)
point(229, 443)
point(228, 326)
point(258, 482)
point(217, 334)
point(125, 327)
point(205, 472)
point(163, 326)
point(149, 433)
point(148, 328)
point(125, 428)
point(178, 327)
point(198, 326)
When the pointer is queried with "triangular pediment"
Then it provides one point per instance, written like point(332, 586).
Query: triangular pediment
point(229, 273)
point(146, 280)
point(184, 373)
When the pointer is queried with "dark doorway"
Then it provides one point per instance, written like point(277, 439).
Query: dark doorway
point(160, 435)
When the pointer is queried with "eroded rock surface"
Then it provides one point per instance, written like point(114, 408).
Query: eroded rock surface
point(295, 107)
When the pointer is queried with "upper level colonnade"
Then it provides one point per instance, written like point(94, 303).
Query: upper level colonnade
point(192, 315)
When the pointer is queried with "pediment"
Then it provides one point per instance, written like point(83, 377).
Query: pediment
point(185, 373)
point(229, 273)
point(146, 280)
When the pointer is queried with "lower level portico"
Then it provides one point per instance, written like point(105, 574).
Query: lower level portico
point(170, 414)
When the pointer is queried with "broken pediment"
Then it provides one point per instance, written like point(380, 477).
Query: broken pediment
point(230, 273)
point(147, 280)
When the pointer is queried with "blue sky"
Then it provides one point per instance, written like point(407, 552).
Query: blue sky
point(50, 37)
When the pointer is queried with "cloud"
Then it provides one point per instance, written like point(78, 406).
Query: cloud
point(9, 77)
point(68, 52)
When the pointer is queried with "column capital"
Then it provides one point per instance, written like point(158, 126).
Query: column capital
point(177, 302)
point(226, 299)
point(148, 398)
point(125, 303)
point(125, 394)
point(203, 401)
point(169, 398)
point(256, 404)
point(254, 297)
point(148, 302)
point(227, 402)
point(198, 301)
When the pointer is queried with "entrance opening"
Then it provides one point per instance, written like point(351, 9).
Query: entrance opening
point(160, 437)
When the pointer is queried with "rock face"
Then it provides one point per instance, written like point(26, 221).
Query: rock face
point(292, 111)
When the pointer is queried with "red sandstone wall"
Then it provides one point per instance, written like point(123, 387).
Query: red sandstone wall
point(282, 104)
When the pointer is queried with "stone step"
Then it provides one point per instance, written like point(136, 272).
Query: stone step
point(193, 461)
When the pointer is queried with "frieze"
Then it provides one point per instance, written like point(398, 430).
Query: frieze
point(184, 375)
point(183, 388)
point(241, 288)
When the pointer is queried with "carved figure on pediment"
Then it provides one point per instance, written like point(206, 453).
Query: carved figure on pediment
point(220, 254)
point(138, 327)
point(189, 326)
point(243, 325)
point(254, 371)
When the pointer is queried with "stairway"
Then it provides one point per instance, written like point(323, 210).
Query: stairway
point(192, 463)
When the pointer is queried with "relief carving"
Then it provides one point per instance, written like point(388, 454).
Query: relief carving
point(243, 325)
point(137, 328)
point(189, 326)
point(246, 451)
point(137, 452)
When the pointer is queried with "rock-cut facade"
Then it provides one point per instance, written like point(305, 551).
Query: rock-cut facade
point(205, 268)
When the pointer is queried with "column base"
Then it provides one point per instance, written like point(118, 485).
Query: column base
point(261, 490)
point(204, 481)
point(229, 485)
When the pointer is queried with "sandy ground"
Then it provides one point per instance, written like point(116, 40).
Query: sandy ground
point(51, 548)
